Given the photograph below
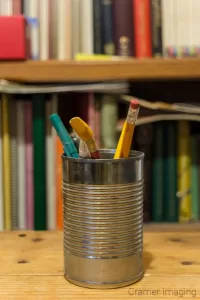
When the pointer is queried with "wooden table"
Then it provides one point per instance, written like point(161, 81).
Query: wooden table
point(31, 267)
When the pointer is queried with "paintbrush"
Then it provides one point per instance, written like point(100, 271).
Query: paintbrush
point(83, 150)
point(85, 133)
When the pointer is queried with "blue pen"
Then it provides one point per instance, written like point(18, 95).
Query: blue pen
point(69, 147)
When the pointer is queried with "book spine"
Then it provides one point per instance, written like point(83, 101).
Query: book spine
point(39, 162)
point(197, 41)
point(1, 173)
point(183, 28)
point(32, 13)
point(191, 49)
point(142, 28)
point(75, 27)
point(184, 172)
point(169, 27)
point(91, 111)
point(97, 21)
point(21, 165)
point(157, 173)
point(55, 108)
point(194, 22)
point(64, 29)
point(28, 114)
point(25, 11)
point(1, 8)
point(7, 8)
point(109, 113)
point(143, 139)
point(23, 2)
point(97, 104)
point(50, 167)
point(68, 37)
point(198, 174)
point(170, 205)
point(86, 25)
point(123, 26)
point(156, 28)
point(50, 29)
point(53, 41)
point(195, 179)
point(17, 7)
point(107, 27)
point(14, 163)
point(44, 29)
point(6, 162)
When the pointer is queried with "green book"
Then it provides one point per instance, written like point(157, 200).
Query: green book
point(195, 179)
point(39, 162)
point(170, 205)
point(157, 172)
point(109, 115)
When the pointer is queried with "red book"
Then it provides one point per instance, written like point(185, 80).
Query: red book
point(12, 38)
point(142, 28)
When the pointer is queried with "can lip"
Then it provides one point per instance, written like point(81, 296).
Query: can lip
point(133, 155)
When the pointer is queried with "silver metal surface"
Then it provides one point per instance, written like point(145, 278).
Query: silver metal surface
point(103, 220)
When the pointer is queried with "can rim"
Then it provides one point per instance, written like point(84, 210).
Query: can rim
point(133, 155)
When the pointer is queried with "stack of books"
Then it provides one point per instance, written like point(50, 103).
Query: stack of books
point(169, 136)
point(30, 151)
point(30, 154)
point(129, 28)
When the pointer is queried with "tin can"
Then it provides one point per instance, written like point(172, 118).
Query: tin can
point(103, 220)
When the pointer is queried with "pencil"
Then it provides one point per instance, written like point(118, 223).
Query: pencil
point(126, 136)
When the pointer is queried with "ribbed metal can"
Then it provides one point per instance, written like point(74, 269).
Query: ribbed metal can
point(103, 220)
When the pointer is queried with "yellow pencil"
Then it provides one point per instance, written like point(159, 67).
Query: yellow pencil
point(126, 136)
point(6, 161)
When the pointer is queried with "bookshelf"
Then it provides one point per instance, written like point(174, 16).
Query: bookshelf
point(166, 78)
point(90, 71)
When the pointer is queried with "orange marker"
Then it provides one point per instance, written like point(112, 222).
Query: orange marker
point(126, 136)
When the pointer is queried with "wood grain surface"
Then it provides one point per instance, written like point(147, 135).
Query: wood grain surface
point(130, 69)
point(31, 267)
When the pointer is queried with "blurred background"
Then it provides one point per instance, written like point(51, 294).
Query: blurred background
point(153, 44)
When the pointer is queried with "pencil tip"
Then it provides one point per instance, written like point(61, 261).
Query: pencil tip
point(134, 104)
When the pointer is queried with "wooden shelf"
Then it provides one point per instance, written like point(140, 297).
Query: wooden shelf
point(69, 71)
